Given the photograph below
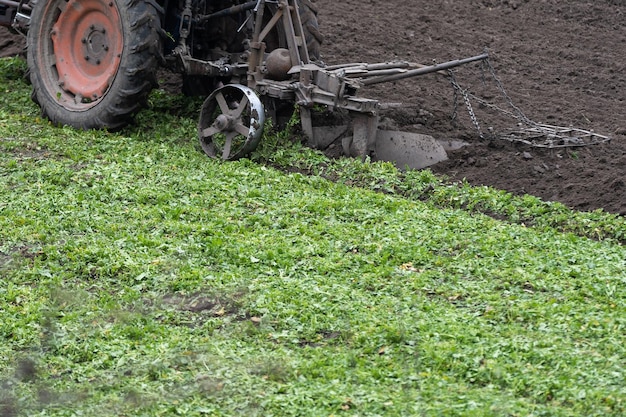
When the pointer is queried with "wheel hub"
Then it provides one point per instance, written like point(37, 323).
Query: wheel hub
point(88, 43)
point(224, 122)
point(96, 44)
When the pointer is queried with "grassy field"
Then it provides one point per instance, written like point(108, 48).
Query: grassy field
point(140, 278)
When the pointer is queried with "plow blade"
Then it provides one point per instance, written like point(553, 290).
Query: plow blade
point(404, 149)
point(408, 150)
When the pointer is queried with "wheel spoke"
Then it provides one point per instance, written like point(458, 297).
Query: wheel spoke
point(221, 101)
point(227, 145)
point(241, 107)
point(242, 129)
point(210, 131)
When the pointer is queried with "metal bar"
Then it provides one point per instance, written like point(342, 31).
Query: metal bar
point(296, 22)
point(342, 66)
point(15, 4)
point(424, 70)
point(360, 73)
point(270, 25)
point(372, 67)
point(257, 47)
point(290, 32)
point(230, 11)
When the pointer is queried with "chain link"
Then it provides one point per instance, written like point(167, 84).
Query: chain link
point(455, 102)
point(466, 100)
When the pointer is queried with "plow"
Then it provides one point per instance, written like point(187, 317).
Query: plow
point(92, 64)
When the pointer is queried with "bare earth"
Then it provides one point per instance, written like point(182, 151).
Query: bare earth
point(562, 63)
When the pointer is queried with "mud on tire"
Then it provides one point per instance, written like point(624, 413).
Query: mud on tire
point(92, 63)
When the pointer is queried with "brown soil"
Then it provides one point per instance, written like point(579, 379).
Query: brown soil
point(11, 44)
point(562, 63)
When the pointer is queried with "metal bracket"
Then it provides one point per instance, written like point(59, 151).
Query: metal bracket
point(362, 143)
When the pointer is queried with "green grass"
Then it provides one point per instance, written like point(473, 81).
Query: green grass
point(140, 278)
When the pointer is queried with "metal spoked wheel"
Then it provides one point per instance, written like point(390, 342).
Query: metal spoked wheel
point(231, 122)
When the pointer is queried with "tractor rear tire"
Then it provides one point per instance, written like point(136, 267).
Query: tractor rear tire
point(310, 26)
point(92, 63)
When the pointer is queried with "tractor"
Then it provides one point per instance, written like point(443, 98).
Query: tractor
point(93, 63)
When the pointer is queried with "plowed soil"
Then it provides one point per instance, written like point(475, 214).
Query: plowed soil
point(561, 63)
point(10, 44)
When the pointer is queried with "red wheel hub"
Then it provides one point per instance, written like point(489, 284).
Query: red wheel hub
point(88, 43)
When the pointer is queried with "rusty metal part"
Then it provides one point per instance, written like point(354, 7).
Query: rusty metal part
point(87, 47)
point(362, 143)
point(278, 64)
point(308, 84)
point(231, 122)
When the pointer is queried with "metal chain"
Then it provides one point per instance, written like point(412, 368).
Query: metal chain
point(466, 100)
point(528, 132)
point(520, 114)
point(492, 106)
point(455, 103)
